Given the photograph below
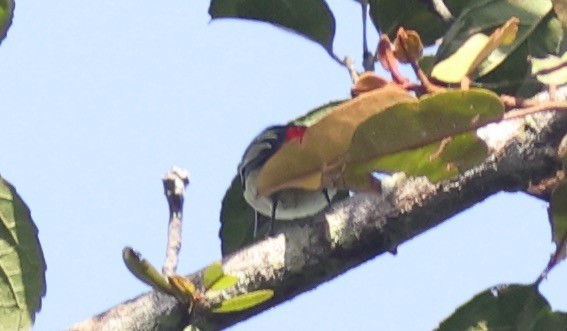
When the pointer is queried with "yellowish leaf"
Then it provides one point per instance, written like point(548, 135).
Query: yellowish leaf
point(315, 159)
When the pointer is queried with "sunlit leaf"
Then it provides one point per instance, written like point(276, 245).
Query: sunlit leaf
point(514, 307)
point(145, 271)
point(438, 161)
point(558, 214)
point(224, 282)
point(213, 273)
point(455, 67)
point(473, 52)
point(22, 266)
point(6, 16)
point(184, 286)
point(244, 301)
point(550, 70)
point(408, 137)
point(302, 163)
point(310, 18)
point(511, 76)
point(426, 64)
point(486, 16)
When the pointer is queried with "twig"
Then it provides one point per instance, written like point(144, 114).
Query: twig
point(536, 108)
point(335, 58)
point(349, 64)
point(174, 183)
point(367, 56)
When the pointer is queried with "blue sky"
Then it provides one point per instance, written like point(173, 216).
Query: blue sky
point(101, 98)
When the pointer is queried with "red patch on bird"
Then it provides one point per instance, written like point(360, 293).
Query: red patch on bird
point(295, 132)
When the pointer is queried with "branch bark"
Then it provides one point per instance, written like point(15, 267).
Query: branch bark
point(355, 230)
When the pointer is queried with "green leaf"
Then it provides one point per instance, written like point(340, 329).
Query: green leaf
point(22, 265)
point(546, 38)
point(437, 161)
point(212, 274)
point(145, 271)
point(489, 14)
point(224, 282)
point(558, 215)
point(310, 18)
point(512, 76)
point(6, 16)
point(237, 220)
point(407, 137)
point(560, 8)
point(426, 64)
point(485, 16)
point(244, 301)
point(513, 307)
point(551, 69)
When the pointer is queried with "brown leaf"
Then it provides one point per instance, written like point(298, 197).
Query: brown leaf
point(314, 162)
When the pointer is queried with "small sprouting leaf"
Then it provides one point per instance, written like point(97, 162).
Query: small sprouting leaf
point(310, 18)
point(183, 286)
point(144, 271)
point(558, 215)
point(551, 69)
point(223, 283)
point(6, 16)
point(244, 301)
point(213, 273)
point(22, 266)
point(513, 307)
point(407, 46)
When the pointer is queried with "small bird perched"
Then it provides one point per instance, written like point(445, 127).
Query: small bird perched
point(287, 204)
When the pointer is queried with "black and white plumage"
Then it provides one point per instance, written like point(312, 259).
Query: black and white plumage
point(287, 204)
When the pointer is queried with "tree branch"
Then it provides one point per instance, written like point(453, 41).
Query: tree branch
point(356, 230)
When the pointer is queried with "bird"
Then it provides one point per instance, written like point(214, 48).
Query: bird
point(287, 204)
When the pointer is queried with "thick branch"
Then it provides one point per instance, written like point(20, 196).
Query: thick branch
point(358, 229)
